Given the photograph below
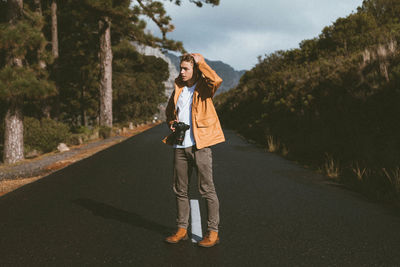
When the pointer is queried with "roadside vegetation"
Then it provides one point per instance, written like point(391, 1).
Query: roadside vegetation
point(333, 103)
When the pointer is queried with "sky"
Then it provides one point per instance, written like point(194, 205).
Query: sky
point(238, 31)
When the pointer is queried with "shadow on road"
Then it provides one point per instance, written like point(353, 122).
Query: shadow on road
point(110, 212)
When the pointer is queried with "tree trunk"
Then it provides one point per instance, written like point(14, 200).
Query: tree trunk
point(14, 10)
point(14, 128)
point(51, 108)
point(38, 6)
point(42, 63)
point(84, 121)
point(13, 135)
point(105, 56)
point(54, 29)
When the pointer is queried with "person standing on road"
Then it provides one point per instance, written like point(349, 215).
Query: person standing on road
point(191, 103)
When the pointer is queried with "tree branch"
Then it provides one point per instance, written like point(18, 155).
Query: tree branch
point(153, 18)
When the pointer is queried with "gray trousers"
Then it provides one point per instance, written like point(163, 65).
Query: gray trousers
point(185, 159)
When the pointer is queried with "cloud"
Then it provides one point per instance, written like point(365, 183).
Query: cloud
point(241, 49)
point(238, 31)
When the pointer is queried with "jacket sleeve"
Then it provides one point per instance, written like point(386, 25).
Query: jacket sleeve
point(211, 78)
point(170, 110)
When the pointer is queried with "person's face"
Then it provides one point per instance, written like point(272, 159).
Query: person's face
point(186, 71)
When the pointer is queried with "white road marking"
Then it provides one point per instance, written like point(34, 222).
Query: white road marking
point(197, 233)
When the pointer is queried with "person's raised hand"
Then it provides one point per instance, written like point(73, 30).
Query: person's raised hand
point(197, 57)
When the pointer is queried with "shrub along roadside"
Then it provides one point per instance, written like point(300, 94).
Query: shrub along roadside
point(44, 135)
point(347, 132)
point(332, 104)
point(105, 132)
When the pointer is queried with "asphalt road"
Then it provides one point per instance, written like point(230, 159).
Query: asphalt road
point(115, 209)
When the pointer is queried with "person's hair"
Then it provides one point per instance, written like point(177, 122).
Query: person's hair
point(188, 58)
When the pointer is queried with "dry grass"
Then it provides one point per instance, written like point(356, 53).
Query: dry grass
point(360, 172)
point(394, 177)
point(272, 144)
point(10, 185)
point(331, 167)
point(284, 151)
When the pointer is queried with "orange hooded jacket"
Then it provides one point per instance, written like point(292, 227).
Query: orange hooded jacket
point(207, 129)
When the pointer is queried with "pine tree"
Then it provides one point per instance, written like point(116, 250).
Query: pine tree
point(119, 11)
point(138, 86)
point(14, 129)
point(21, 76)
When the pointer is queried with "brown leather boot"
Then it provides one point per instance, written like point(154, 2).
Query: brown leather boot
point(178, 236)
point(211, 239)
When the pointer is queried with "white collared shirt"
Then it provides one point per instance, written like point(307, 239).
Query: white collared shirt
point(184, 111)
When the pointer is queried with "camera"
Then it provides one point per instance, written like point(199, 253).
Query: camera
point(180, 130)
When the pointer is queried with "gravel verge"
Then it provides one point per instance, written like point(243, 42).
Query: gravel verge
point(38, 166)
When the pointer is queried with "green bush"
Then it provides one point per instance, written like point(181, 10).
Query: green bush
point(44, 135)
point(80, 134)
point(82, 130)
point(105, 132)
point(76, 139)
